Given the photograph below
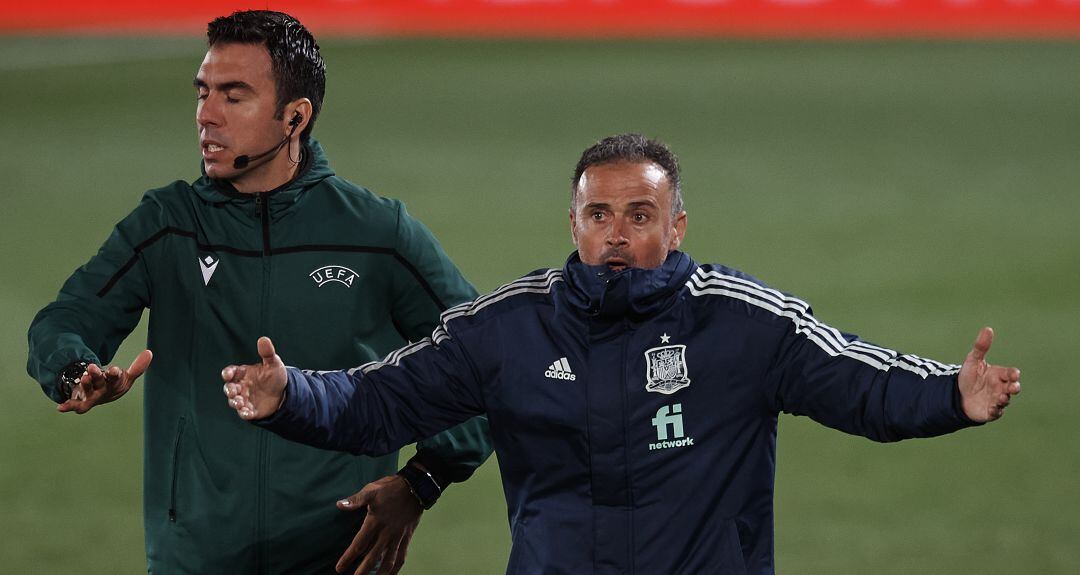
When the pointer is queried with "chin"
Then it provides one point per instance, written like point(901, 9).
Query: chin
point(215, 170)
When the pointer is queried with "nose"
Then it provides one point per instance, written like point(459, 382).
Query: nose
point(208, 113)
point(615, 236)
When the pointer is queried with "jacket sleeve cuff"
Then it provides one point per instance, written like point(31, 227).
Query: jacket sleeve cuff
point(60, 360)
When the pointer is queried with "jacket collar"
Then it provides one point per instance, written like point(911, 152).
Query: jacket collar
point(632, 293)
point(314, 168)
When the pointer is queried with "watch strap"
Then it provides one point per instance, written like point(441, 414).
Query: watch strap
point(422, 485)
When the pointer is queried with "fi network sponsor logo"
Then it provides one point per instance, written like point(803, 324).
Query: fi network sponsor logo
point(669, 418)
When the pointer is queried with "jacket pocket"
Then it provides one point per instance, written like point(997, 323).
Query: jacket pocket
point(517, 549)
point(176, 468)
point(731, 557)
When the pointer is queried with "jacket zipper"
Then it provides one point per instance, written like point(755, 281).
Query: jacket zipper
point(175, 469)
point(262, 551)
point(264, 212)
point(627, 333)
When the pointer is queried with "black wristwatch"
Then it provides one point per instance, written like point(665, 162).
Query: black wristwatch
point(70, 376)
point(422, 485)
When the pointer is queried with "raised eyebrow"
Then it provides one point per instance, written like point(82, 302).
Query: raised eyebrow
point(597, 206)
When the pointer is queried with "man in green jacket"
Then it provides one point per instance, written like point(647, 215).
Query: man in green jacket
point(267, 242)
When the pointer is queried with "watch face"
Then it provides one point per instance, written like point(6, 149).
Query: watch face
point(74, 371)
point(422, 485)
point(71, 376)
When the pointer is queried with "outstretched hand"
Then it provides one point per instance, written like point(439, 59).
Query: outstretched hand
point(256, 391)
point(97, 386)
point(393, 513)
point(986, 389)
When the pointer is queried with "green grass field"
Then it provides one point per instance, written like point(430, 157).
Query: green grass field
point(912, 192)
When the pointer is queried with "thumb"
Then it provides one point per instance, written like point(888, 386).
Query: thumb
point(267, 353)
point(142, 361)
point(982, 344)
point(356, 501)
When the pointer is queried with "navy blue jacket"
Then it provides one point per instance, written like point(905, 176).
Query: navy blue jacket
point(633, 413)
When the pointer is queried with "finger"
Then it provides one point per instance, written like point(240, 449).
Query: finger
point(138, 367)
point(361, 543)
point(267, 353)
point(373, 557)
point(94, 371)
point(231, 390)
point(398, 555)
point(399, 559)
point(113, 373)
point(389, 563)
point(93, 377)
point(982, 344)
point(358, 500)
point(74, 405)
point(233, 374)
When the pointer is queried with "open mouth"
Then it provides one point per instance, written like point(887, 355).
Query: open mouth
point(616, 264)
point(212, 147)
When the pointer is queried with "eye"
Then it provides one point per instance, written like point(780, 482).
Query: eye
point(597, 216)
point(230, 99)
point(201, 95)
point(640, 217)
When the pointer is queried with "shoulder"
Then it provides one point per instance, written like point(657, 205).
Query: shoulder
point(715, 285)
point(342, 203)
point(172, 194)
point(527, 292)
point(160, 207)
point(351, 193)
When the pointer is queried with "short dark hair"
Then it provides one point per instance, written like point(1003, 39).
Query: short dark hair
point(631, 148)
point(297, 65)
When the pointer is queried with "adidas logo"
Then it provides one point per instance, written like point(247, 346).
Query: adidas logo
point(560, 370)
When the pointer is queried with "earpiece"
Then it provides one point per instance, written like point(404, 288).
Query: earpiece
point(296, 119)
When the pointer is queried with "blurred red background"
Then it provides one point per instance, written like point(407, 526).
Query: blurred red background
point(575, 18)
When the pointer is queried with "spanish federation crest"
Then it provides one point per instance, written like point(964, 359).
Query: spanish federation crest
point(665, 370)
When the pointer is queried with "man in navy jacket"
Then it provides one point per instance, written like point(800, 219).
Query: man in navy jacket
point(632, 395)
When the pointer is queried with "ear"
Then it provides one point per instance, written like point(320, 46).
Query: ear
point(679, 229)
point(300, 106)
point(573, 227)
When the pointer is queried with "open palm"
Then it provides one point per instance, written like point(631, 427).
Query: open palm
point(986, 389)
point(255, 391)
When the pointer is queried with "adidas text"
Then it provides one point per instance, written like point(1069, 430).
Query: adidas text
point(551, 373)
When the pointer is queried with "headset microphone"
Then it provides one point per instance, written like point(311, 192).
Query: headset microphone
point(242, 162)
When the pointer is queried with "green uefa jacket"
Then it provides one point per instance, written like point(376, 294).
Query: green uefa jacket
point(334, 274)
